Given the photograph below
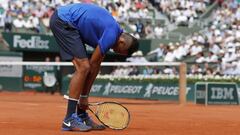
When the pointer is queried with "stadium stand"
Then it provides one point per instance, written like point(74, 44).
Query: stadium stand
point(214, 41)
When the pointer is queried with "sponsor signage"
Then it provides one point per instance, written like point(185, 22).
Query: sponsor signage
point(134, 89)
point(47, 43)
point(10, 70)
point(220, 93)
point(11, 75)
point(39, 77)
point(31, 42)
point(216, 93)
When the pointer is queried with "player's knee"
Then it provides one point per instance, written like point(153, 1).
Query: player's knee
point(85, 68)
point(82, 66)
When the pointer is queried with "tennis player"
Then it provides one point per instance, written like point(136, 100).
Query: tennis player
point(73, 26)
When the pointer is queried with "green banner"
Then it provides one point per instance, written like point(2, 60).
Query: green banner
point(30, 42)
point(39, 77)
point(200, 93)
point(47, 43)
point(134, 89)
point(222, 93)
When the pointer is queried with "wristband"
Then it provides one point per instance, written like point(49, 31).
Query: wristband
point(83, 96)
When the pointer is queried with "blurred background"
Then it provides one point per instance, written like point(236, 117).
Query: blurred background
point(205, 34)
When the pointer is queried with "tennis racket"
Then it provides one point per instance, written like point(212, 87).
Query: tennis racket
point(111, 114)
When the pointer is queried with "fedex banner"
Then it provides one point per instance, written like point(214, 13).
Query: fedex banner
point(31, 42)
point(47, 43)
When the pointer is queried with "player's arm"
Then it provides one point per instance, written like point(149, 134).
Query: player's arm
point(95, 63)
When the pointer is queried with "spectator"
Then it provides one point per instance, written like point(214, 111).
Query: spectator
point(195, 69)
point(200, 58)
point(33, 23)
point(214, 48)
point(158, 51)
point(148, 70)
point(149, 31)
point(45, 21)
point(178, 52)
point(8, 22)
point(170, 70)
point(137, 57)
point(134, 71)
point(140, 28)
point(195, 49)
point(211, 57)
point(19, 22)
point(170, 55)
point(158, 31)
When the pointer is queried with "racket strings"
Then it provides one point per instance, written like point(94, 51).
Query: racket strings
point(113, 115)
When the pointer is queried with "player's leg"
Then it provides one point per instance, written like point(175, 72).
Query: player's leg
point(84, 99)
point(71, 48)
point(75, 87)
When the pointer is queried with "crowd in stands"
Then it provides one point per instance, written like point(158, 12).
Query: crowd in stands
point(31, 15)
point(182, 12)
point(219, 43)
point(34, 15)
point(215, 50)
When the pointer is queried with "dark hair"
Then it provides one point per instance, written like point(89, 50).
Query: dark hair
point(133, 43)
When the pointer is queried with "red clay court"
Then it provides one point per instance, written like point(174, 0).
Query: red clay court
point(29, 113)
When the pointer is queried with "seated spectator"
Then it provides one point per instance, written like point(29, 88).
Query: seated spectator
point(158, 51)
point(39, 12)
point(184, 49)
point(170, 55)
point(45, 21)
point(211, 57)
point(149, 31)
point(195, 69)
point(19, 22)
point(229, 57)
point(148, 70)
point(178, 52)
point(137, 57)
point(214, 48)
point(140, 28)
point(33, 23)
point(181, 20)
point(200, 58)
point(170, 70)
point(158, 31)
point(29, 23)
point(134, 71)
point(195, 49)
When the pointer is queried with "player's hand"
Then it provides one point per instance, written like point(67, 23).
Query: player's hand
point(83, 103)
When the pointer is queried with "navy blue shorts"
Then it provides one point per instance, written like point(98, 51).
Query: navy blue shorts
point(68, 38)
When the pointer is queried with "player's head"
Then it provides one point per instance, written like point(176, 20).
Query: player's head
point(126, 44)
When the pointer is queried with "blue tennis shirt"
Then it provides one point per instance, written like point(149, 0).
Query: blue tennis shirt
point(95, 24)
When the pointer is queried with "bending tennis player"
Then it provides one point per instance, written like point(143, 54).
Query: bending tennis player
point(74, 26)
